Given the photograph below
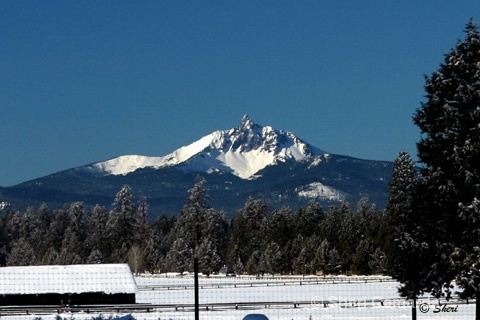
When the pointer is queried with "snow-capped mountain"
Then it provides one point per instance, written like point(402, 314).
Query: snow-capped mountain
point(247, 161)
point(242, 151)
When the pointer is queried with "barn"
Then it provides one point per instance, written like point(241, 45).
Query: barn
point(67, 284)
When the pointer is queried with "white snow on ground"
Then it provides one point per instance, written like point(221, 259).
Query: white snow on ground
point(355, 300)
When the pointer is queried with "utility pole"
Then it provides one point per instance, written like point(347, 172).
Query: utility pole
point(195, 266)
point(414, 309)
point(195, 271)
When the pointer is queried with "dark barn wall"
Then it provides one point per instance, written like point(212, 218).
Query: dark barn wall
point(63, 299)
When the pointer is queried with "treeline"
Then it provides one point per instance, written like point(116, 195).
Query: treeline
point(254, 241)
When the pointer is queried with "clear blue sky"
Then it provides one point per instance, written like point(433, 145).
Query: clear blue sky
point(86, 81)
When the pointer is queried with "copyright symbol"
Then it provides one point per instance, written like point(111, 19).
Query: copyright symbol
point(424, 307)
point(317, 301)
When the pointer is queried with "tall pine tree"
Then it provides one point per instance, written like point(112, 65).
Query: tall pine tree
point(447, 224)
point(122, 224)
point(398, 220)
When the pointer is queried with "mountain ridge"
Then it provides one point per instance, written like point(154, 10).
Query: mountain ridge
point(246, 161)
point(242, 151)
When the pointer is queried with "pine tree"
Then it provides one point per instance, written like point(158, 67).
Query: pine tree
point(122, 224)
point(97, 237)
point(56, 229)
point(72, 248)
point(38, 226)
point(303, 254)
point(253, 263)
point(3, 241)
point(307, 221)
point(272, 260)
point(378, 262)
point(334, 261)
point(209, 258)
point(321, 256)
point(16, 226)
point(21, 254)
point(180, 256)
point(447, 223)
point(214, 233)
point(156, 246)
point(153, 252)
point(329, 225)
point(280, 226)
point(188, 233)
point(51, 257)
point(95, 256)
point(349, 235)
point(249, 230)
point(193, 213)
point(399, 215)
point(361, 258)
point(142, 221)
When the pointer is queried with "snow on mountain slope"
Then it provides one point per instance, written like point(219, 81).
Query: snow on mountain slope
point(242, 151)
point(126, 164)
point(317, 190)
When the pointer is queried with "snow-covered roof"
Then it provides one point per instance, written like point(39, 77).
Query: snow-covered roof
point(107, 278)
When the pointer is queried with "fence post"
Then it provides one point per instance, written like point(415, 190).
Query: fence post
point(414, 309)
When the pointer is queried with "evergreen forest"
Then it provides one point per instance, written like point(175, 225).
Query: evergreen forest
point(339, 240)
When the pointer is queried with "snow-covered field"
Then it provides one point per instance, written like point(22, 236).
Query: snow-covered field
point(340, 300)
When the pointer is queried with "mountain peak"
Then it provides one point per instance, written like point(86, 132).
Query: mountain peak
point(246, 123)
point(248, 136)
point(242, 151)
